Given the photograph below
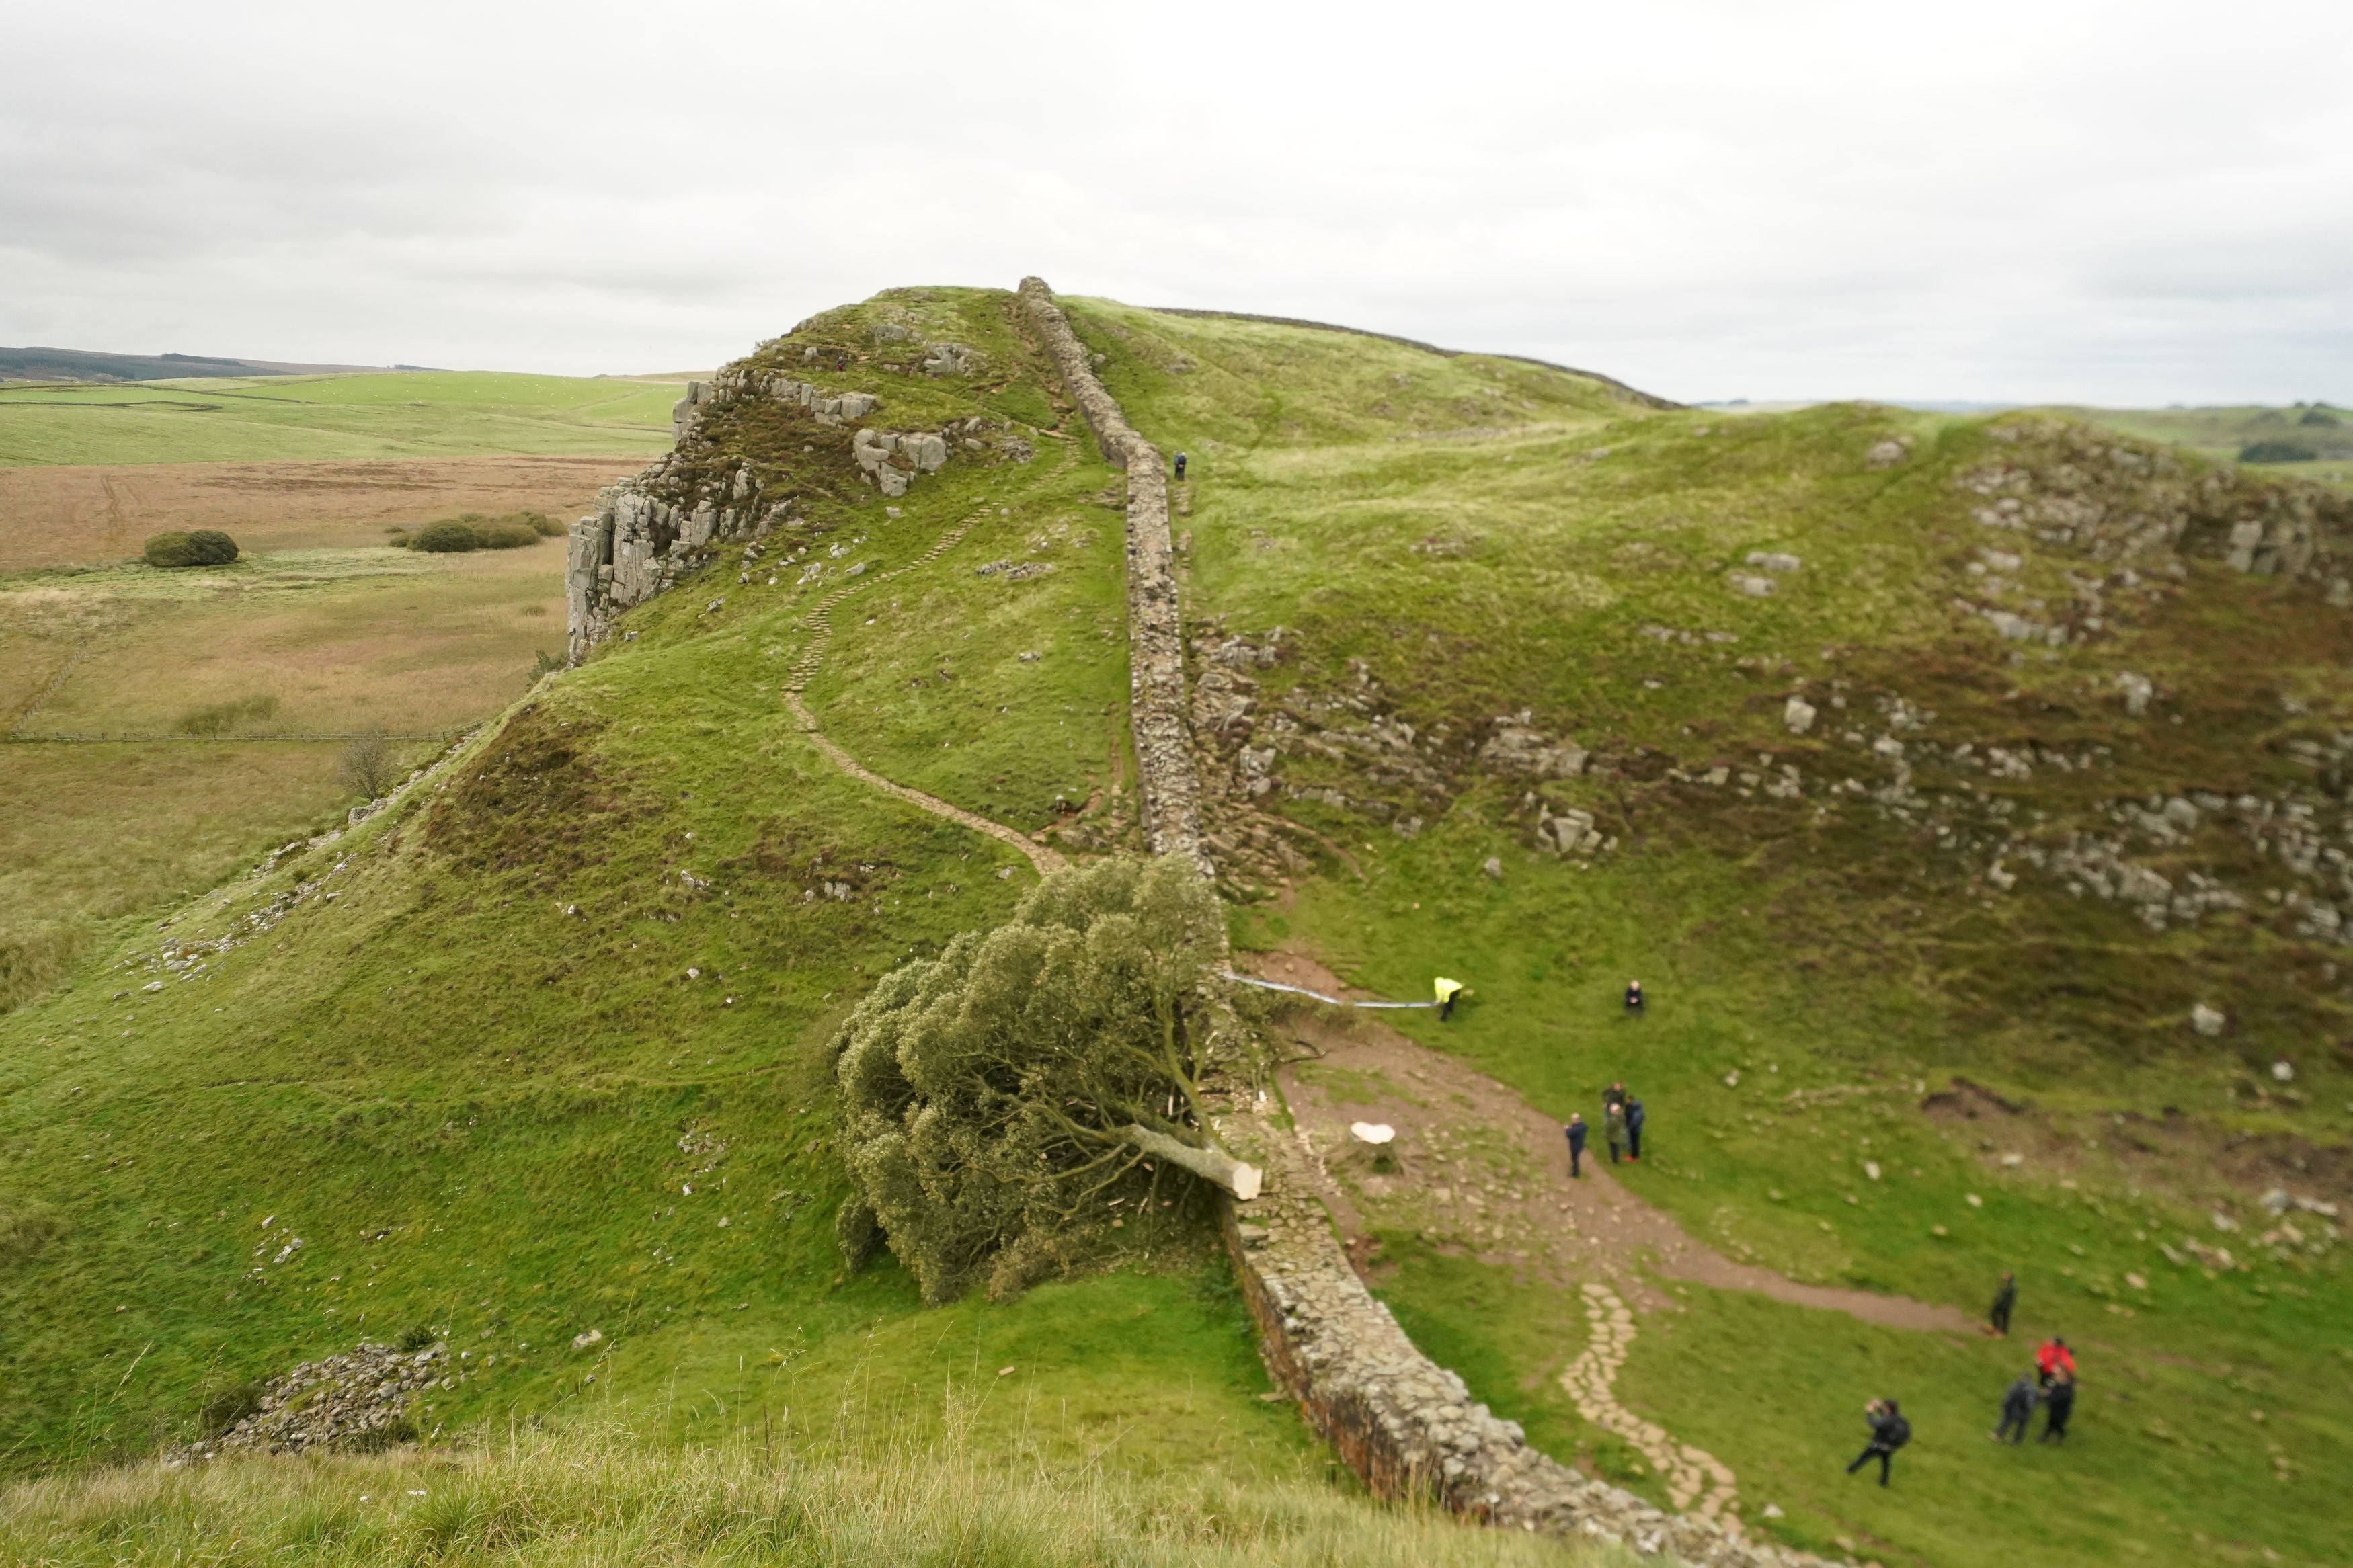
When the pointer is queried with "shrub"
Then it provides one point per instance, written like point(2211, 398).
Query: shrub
point(2317, 415)
point(548, 528)
point(423, 1336)
point(2276, 452)
point(505, 535)
point(450, 536)
point(545, 663)
point(368, 768)
point(197, 547)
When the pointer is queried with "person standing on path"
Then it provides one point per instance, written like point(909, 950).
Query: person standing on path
point(2017, 1410)
point(1633, 998)
point(2058, 1404)
point(2004, 1301)
point(1613, 1129)
point(1633, 1129)
point(1575, 1131)
point(1889, 1432)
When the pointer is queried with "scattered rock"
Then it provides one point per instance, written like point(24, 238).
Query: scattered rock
point(1797, 714)
point(357, 1400)
point(2206, 1021)
point(1754, 587)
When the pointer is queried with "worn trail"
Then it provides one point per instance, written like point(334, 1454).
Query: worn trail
point(819, 621)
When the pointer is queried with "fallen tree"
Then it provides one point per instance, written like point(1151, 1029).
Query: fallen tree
point(1015, 1101)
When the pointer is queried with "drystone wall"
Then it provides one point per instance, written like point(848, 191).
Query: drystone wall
point(1403, 1422)
point(1172, 812)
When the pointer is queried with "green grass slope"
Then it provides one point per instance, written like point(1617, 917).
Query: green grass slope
point(1828, 950)
point(541, 1051)
point(413, 413)
point(505, 1059)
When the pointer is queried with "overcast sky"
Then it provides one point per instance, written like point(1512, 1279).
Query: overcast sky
point(2016, 200)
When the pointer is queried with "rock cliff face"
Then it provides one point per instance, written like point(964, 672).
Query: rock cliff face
point(667, 522)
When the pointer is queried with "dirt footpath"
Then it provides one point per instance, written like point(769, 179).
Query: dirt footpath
point(1476, 1166)
point(65, 515)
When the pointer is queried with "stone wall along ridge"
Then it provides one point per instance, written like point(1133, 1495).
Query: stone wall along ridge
point(1403, 1422)
point(1164, 752)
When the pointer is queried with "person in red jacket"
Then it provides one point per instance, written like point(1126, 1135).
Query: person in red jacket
point(2053, 1359)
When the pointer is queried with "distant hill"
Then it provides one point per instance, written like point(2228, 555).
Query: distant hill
point(80, 364)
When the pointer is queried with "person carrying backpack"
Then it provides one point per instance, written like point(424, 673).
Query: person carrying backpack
point(2058, 1404)
point(1575, 1133)
point(1889, 1432)
point(2017, 1409)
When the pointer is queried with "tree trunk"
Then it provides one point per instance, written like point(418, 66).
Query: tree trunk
point(1210, 1165)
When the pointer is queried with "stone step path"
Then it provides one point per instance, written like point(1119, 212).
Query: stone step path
point(1697, 1482)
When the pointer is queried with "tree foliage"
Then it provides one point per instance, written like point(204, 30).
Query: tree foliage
point(196, 547)
point(995, 1095)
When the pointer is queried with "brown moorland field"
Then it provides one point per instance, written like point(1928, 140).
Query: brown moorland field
point(69, 515)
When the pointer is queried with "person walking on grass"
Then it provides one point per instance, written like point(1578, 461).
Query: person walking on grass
point(1613, 1129)
point(1575, 1131)
point(1633, 1130)
point(2017, 1410)
point(2058, 1404)
point(1633, 998)
point(2005, 1300)
point(1889, 1432)
point(1180, 467)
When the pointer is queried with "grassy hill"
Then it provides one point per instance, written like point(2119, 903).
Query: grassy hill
point(542, 1050)
point(285, 418)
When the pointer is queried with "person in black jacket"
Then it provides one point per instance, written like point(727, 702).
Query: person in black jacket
point(2005, 1302)
point(1633, 998)
point(2017, 1409)
point(2058, 1404)
point(1633, 1128)
point(1575, 1133)
point(1889, 1432)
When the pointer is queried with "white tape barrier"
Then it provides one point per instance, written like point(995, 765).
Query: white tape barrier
point(1302, 991)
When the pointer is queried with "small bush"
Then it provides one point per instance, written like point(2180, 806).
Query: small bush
point(2276, 452)
point(545, 663)
point(451, 536)
point(423, 1336)
point(223, 717)
point(369, 768)
point(505, 535)
point(197, 547)
point(2317, 415)
point(547, 527)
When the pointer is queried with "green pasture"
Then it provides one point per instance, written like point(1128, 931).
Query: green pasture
point(407, 414)
point(505, 1056)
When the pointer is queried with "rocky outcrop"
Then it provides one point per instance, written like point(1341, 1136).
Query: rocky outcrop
point(357, 1400)
point(637, 543)
point(1172, 815)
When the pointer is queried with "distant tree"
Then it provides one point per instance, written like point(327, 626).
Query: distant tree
point(2276, 452)
point(2319, 414)
point(369, 768)
point(197, 547)
point(1013, 1101)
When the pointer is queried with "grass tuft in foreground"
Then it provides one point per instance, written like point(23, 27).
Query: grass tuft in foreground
point(603, 1496)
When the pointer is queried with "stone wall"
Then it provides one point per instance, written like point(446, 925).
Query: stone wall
point(1404, 1424)
point(1172, 815)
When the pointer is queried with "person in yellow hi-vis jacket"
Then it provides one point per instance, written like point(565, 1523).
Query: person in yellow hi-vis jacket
point(1448, 990)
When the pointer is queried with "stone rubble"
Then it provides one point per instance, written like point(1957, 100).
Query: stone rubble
point(355, 1400)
